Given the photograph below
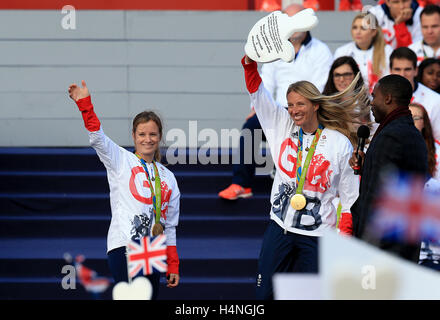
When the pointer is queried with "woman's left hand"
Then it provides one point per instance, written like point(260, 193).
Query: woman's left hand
point(172, 280)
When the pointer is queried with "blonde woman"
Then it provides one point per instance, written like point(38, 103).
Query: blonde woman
point(368, 49)
point(311, 143)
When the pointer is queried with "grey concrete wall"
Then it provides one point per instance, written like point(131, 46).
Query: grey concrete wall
point(183, 64)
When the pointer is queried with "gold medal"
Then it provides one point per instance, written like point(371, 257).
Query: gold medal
point(157, 229)
point(298, 202)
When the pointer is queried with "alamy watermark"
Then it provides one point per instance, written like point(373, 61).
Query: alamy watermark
point(69, 280)
point(250, 148)
point(368, 281)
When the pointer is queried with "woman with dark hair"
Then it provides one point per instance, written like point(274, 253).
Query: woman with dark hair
point(429, 252)
point(423, 124)
point(341, 74)
point(144, 196)
point(429, 74)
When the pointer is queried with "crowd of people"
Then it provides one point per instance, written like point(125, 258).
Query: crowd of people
point(387, 78)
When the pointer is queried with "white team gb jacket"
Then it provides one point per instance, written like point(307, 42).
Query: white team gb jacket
point(328, 176)
point(423, 51)
point(387, 25)
point(431, 101)
point(130, 196)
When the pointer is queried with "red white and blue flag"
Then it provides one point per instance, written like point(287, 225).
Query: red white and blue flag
point(406, 212)
point(147, 255)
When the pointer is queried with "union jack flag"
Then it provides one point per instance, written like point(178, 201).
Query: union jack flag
point(147, 255)
point(405, 211)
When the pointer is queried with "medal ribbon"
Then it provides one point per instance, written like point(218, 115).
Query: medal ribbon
point(157, 195)
point(301, 173)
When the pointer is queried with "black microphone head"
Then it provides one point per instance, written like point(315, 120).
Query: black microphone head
point(363, 132)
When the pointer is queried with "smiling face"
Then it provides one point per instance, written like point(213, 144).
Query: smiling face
point(302, 111)
point(342, 77)
point(431, 76)
point(146, 139)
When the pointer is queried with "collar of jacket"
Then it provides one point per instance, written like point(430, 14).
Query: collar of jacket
point(416, 85)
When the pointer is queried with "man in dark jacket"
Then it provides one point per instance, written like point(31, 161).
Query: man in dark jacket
point(396, 144)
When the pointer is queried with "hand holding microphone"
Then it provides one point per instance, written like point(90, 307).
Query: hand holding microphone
point(358, 156)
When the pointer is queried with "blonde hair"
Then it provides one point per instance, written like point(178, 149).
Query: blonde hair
point(341, 111)
point(379, 59)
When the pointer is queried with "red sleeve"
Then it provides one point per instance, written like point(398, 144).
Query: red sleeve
point(172, 260)
point(251, 76)
point(91, 121)
point(346, 223)
point(403, 36)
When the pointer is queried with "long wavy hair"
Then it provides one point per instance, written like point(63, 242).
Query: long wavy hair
point(341, 111)
point(428, 137)
point(379, 58)
point(144, 117)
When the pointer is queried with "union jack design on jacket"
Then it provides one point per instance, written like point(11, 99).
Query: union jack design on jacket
point(130, 195)
point(328, 176)
point(146, 256)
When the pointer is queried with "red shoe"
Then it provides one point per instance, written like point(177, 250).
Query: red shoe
point(235, 191)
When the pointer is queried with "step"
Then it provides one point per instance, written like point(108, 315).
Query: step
point(200, 267)
point(55, 226)
point(95, 248)
point(85, 159)
point(96, 181)
point(230, 288)
point(80, 203)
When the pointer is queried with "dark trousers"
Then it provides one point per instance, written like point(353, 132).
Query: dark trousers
point(243, 174)
point(117, 262)
point(281, 252)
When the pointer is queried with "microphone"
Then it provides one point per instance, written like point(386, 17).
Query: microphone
point(363, 133)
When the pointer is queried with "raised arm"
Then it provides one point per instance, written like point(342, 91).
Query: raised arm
point(107, 150)
point(82, 98)
point(270, 115)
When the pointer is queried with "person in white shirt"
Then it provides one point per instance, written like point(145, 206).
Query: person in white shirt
point(429, 74)
point(311, 143)
point(368, 49)
point(429, 46)
point(144, 196)
point(400, 21)
point(429, 252)
point(403, 61)
point(342, 73)
point(423, 124)
point(312, 62)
